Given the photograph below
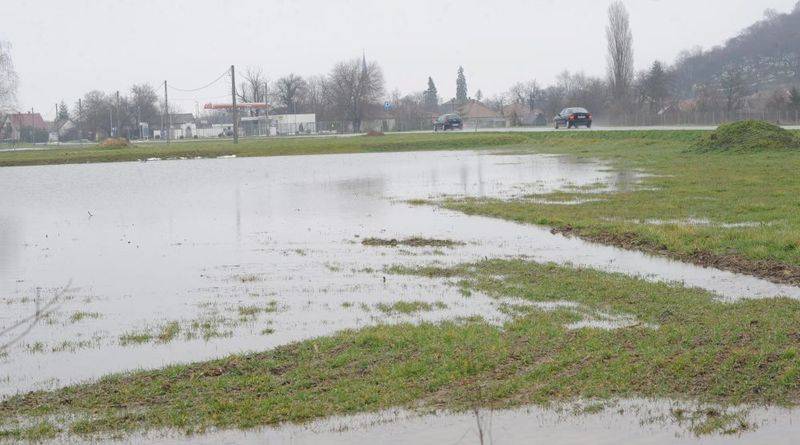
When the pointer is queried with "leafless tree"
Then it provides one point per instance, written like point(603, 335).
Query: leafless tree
point(8, 79)
point(95, 110)
point(316, 98)
point(144, 103)
point(288, 91)
point(620, 52)
point(525, 93)
point(253, 87)
point(354, 85)
point(734, 88)
point(42, 308)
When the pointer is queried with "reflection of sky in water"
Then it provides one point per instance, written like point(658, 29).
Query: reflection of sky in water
point(623, 422)
point(167, 241)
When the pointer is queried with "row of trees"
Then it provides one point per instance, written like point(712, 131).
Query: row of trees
point(754, 70)
point(351, 91)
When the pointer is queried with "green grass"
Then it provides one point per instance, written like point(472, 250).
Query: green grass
point(723, 187)
point(261, 147)
point(750, 135)
point(411, 242)
point(409, 307)
point(78, 316)
point(699, 349)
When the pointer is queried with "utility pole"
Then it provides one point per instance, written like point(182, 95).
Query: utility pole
point(80, 120)
point(266, 107)
point(116, 115)
point(235, 111)
point(166, 110)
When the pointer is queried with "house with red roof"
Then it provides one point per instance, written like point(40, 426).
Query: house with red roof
point(15, 124)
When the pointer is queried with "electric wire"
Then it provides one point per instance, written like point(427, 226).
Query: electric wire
point(191, 90)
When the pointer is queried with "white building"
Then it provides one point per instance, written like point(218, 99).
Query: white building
point(285, 124)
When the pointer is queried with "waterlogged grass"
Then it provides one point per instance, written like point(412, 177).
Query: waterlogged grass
point(409, 307)
point(262, 147)
point(411, 242)
point(749, 200)
point(695, 349)
point(209, 325)
point(78, 316)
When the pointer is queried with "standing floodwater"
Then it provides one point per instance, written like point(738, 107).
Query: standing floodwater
point(178, 261)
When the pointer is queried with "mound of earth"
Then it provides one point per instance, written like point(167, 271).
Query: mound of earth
point(115, 143)
point(750, 135)
point(373, 133)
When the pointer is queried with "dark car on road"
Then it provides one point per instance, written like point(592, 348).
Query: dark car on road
point(573, 117)
point(448, 122)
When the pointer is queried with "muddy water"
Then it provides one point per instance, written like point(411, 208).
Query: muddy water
point(627, 421)
point(195, 242)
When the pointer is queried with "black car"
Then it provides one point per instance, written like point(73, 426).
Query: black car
point(448, 122)
point(573, 117)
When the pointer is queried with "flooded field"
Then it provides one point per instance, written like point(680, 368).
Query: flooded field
point(627, 421)
point(176, 261)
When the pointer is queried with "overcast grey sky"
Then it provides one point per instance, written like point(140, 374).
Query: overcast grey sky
point(63, 48)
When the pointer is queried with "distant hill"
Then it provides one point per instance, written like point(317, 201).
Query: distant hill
point(766, 55)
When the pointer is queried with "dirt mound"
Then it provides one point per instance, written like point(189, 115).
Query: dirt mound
point(115, 143)
point(750, 135)
point(373, 133)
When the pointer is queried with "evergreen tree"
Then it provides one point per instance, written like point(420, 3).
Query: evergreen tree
point(478, 95)
point(431, 96)
point(63, 112)
point(461, 86)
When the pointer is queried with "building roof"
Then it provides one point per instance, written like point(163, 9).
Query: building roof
point(476, 110)
point(522, 110)
point(27, 120)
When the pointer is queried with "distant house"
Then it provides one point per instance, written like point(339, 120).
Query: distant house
point(285, 124)
point(16, 125)
point(61, 130)
point(476, 111)
point(521, 115)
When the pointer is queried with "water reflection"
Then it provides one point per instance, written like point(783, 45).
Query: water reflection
point(192, 241)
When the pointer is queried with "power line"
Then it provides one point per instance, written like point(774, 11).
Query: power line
point(191, 90)
point(195, 99)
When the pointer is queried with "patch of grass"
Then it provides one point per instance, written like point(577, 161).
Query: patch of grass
point(253, 310)
point(135, 338)
point(737, 189)
point(248, 278)
point(408, 307)
point(418, 202)
point(82, 315)
point(261, 147)
point(701, 349)
point(411, 242)
point(169, 332)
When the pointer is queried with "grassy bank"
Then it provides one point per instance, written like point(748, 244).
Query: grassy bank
point(684, 345)
point(261, 147)
point(733, 210)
